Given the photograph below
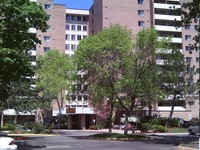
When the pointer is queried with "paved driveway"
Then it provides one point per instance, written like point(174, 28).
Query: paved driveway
point(76, 140)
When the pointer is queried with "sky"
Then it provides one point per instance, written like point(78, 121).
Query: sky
point(77, 4)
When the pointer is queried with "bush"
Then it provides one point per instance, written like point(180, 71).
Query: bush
point(29, 125)
point(146, 126)
point(100, 126)
point(158, 128)
point(155, 121)
point(8, 127)
point(174, 122)
point(93, 127)
point(39, 128)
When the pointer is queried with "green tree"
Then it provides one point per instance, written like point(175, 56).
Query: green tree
point(138, 87)
point(175, 76)
point(102, 57)
point(16, 18)
point(54, 74)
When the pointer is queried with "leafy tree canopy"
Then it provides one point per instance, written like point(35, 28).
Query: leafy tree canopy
point(16, 18)
point(54, 73)
point(102, 56)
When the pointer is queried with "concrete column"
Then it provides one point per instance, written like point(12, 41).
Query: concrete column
point(69, 122)
point(83, 122)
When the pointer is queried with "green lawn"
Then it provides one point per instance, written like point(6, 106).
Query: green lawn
point(177, 130)
point(116, 136)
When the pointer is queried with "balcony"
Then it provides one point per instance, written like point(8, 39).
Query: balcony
point(33, 63)
point(32, 52)
point(173, 40)
point(166, 6)
point(69, 52)
point(167, 28)
point(167, 51)
point(168, 108)
point(167, 17)
point(32, 30)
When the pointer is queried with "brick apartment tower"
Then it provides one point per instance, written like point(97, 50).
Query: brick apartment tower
point(158, 14)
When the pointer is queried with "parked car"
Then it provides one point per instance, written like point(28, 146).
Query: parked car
point(7, 143)
point(194, 128)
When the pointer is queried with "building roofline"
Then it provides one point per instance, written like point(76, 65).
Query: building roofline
point(77, 11)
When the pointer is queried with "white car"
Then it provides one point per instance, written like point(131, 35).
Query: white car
point(194, 129)
point(7, 143)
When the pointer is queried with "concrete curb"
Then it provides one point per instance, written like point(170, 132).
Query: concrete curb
point(33, 135)
point(185, 148)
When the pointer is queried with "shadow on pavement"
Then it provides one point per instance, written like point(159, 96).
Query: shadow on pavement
point(186, 141)
point(22, 143)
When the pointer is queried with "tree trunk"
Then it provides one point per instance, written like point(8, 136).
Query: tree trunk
point(15, 117)
point(60, 106)
point(126, 125)
point(172, 108)
point(1, 113)
point(110, 118)
point(150, 109)
point(38, 116)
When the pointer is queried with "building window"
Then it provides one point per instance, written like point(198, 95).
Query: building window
point(78, 37)
point(197, 59)
point(67, 37)
point(46, 49)
point(73, 47)
point(85, 18)
point(33, 48)
point(73, 27)
point(67, 27)
point(141, 23)
point(140, 1)
point(33, 58)
point(79, 97)
point(188, 59)
point(47, 38)
point(73, 97)
point(79, 27)
point(187, 27)
point(187, 37)
point(197, 70)
point(47, 6)
point(84, 28)
point(49, 17)
point(73, 18)
point(196, 27)
point(67, 46)
point(84, 36)
point(73, 37)
point(188, 48)
point(67, 17)
point(85, 97)
point(48, 28)
point(141, 12)
point(79, 18)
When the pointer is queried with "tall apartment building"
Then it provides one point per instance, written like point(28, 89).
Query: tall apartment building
point(76, 28)
point(66, 28)
point(158, 14)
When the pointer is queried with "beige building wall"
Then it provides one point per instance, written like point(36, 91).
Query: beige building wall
point(103, 13)
point(54, 37)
